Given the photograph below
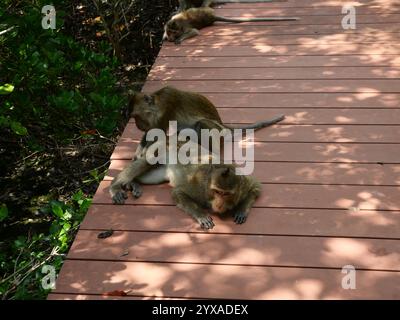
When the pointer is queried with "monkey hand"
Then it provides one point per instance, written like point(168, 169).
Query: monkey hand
point(119, 197)
point(206, 222)
point(136, 189)
point(240, 217)
point(178, 41)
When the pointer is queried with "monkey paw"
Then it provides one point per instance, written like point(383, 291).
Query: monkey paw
point(177, 41)
point(206, 222)
point(119, 197)
point(136, 189)
point(240, 217)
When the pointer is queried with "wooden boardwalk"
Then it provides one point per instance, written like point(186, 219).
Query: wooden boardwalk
point(330, 171)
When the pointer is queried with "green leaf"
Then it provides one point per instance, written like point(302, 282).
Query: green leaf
point(57, 210)
point(18, 128)
point(6, 89)
point(3, 212)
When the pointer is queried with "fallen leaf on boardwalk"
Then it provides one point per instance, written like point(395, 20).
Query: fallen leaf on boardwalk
point(115, 293)
point(105, 234)
point(125, 253)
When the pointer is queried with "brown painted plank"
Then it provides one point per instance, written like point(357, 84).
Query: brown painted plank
point(304, 13)
point(62, 296)
point(228, 282)
point(261, 221)
point(261, 50)
point(387, 4)
point(285, 196)
point(318, 173)
point(312, 116)
point(309, 133)
point(250, 86)
point(274, 73)
point(260, 29)
point(280, 61)
point(308, 19)
point(66, 296)
point(313, 252)
point(306, 100)
point(303, 152)
point(339, 38)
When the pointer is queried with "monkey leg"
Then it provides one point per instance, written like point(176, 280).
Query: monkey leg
point(188, 205)
point(188, 34)
point(123, 181)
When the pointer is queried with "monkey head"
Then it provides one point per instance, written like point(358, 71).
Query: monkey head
point(224, 185)
point(144, 111)
point(173, 30)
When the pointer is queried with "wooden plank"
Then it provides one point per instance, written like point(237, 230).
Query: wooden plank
point(387, 4)
point(261, 221)
point(313, 252)
point(278, 62)
point(262, 50)
point(339, 38)
point(307, 116)
point(250, 86)
point(310, 19)
point(316, 173)
point(305, 12)
point(360, 100)
point(215, 281)
point(303, 152)
point(62, 296)
point(66, 296)
point(284, 28)
point(308, 133)
point(274, 73)
point(285, 196)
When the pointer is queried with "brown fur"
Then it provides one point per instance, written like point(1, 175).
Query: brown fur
point(189, 109)
point(187, 24)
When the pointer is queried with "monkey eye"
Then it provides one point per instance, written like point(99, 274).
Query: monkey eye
point(148, 99)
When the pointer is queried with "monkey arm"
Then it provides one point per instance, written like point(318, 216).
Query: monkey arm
point(187, 204)
point(123, 181)
point(188, 34)
point(241, 211)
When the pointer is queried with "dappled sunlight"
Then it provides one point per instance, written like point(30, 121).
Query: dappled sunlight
point(360, 254)
point(309, 288)
point(375, 218)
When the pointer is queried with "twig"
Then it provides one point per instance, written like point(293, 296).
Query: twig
point(5, 31)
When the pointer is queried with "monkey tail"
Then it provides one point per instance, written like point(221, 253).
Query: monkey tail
point(261, 124)
point(238, 20)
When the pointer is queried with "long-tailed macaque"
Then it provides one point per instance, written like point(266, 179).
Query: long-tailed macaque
point(201, 188)
point(150, 111)
point(187, 24)
point(187, 4)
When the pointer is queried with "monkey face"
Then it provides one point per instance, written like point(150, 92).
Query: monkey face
point(223, 188)
point(143, 111)
point(173, 30)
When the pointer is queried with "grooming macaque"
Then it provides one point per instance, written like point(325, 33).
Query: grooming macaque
point(189, 109)
point(187, 24)
point(187, 4)
point(198, 188)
